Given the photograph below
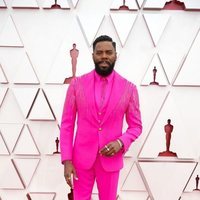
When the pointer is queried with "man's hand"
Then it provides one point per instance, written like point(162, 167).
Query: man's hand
point(111, 148)
point(69, 173)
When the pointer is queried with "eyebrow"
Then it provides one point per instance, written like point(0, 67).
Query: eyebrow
point(105, 50)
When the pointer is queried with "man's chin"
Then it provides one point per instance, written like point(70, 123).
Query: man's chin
point(104, 70)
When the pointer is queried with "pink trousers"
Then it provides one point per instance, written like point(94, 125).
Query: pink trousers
point(107, 183)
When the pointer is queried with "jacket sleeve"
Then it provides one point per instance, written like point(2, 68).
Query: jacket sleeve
point(68, 123)
point(133, 119)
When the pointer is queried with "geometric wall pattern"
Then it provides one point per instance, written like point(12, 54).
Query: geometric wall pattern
point(158, 45)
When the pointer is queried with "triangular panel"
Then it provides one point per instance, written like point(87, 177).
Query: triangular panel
point(25, 144)
point(41, 109)
point(123, 23)
point(192, 4)
point(3, 78)
point(140, 2)
point(156, 97)
point(157, 77)
point(3, 92)
point(9, 177)
point(46, 136)
point(134, 181)
point(130, 195)
point(10, 59)
point(62, 66)
point(3, 147)
point(25, 73)
point(42, 195)
point(189, 73)
point(124, 5)
point(171, 62)
point(173, 52)
point(192, 190)
point(156, 141)
point(25, 98)
point(10, 112)
point(54, 173)
point(56, 97)
point(192, 184)
point(108, 28)
point(2, 5)
point(13, 194)
point(10, 134)
point(156, 24)
point(24, 4)
point(128, 163)
point(90, 25)
point(9, 36)
point(22, 164)
point(75, 2)
point(187, 103)
point(160, 177)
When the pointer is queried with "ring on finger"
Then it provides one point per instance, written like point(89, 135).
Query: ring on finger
point(107, 148)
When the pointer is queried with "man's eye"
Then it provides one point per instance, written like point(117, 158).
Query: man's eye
point(109, 52)
point(98, 53)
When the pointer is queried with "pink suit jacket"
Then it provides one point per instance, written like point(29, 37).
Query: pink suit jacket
point(91, 135)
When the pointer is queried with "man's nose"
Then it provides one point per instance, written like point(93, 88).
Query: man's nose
point(104, 55)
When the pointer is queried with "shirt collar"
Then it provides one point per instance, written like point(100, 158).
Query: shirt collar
point(109, 78)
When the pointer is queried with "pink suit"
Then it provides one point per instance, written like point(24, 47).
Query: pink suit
point(92, 134)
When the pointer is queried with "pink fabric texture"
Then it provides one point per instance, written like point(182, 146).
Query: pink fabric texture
point(83, 186)
point(94, 131)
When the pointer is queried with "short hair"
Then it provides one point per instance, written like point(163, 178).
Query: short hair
point(104, 38)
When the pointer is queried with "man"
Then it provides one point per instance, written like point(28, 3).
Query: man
point(100, 99)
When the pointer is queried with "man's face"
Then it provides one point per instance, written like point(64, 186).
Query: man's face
point(104, 57)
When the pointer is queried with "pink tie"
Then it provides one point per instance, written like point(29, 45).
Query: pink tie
point(103, 92)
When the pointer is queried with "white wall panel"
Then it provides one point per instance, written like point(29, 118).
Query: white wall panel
point(11, 133)
point(123, 23)
point(3, 92)
point(24, 4)
point(2, 4)
point(9, 35)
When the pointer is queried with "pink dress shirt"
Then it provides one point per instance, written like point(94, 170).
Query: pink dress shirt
point(103, 86)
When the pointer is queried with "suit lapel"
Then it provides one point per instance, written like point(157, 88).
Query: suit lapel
point(89, 93)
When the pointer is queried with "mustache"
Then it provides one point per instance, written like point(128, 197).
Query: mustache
point(100, 62)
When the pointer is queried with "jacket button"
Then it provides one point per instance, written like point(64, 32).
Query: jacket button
point(100, 129)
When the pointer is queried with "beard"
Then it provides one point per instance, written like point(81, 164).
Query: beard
point(104, 71)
